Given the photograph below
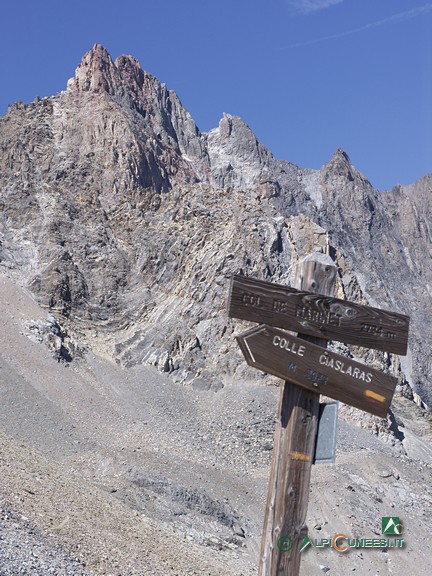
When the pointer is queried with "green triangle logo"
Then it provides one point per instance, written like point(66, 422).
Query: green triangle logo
point(306, 542)
point(391, 525)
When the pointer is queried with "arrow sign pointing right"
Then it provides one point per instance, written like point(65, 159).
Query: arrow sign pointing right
point(301, 362)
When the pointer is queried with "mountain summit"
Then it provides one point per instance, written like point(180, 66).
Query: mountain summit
point(134, 438)
point(121, 216)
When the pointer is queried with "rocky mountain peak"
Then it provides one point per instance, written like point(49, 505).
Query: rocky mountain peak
point(340, 153)
point(125, 223)
point(340, 164)
point(236, 156)
point(96, 72)
point(117, 210)
point(139, 109)
point(346, 188)
point(230, 156)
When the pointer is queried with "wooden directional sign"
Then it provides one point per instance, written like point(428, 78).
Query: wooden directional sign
point(320, 370)
point(317, 315)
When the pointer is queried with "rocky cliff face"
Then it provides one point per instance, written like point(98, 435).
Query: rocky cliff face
point(126, 222)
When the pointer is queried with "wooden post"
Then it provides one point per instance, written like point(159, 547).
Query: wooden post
point(293, 448)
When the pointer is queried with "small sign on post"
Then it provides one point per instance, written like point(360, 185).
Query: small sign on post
point(325, 446)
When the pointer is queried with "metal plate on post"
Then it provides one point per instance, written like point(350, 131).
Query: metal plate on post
point(325, 447)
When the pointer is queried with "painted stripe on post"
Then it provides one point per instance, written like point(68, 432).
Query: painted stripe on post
point(300, 456)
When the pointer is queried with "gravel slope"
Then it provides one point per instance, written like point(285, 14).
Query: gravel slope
point(123, 472)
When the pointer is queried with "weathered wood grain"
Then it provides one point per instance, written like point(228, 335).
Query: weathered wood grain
point(288, 491)
point(279, 353)
point(293, 451)
point(318, 315)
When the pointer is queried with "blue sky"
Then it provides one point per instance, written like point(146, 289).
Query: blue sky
point(307, 76)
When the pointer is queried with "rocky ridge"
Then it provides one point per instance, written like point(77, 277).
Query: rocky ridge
point(126, 221)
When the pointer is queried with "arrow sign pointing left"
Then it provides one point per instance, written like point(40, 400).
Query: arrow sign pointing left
point(279, 353)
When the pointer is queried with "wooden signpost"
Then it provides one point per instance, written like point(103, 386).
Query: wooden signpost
point(281, 354)
point(308, 369)
point(317, 315)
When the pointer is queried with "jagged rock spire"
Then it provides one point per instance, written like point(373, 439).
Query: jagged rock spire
point(96, 72)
